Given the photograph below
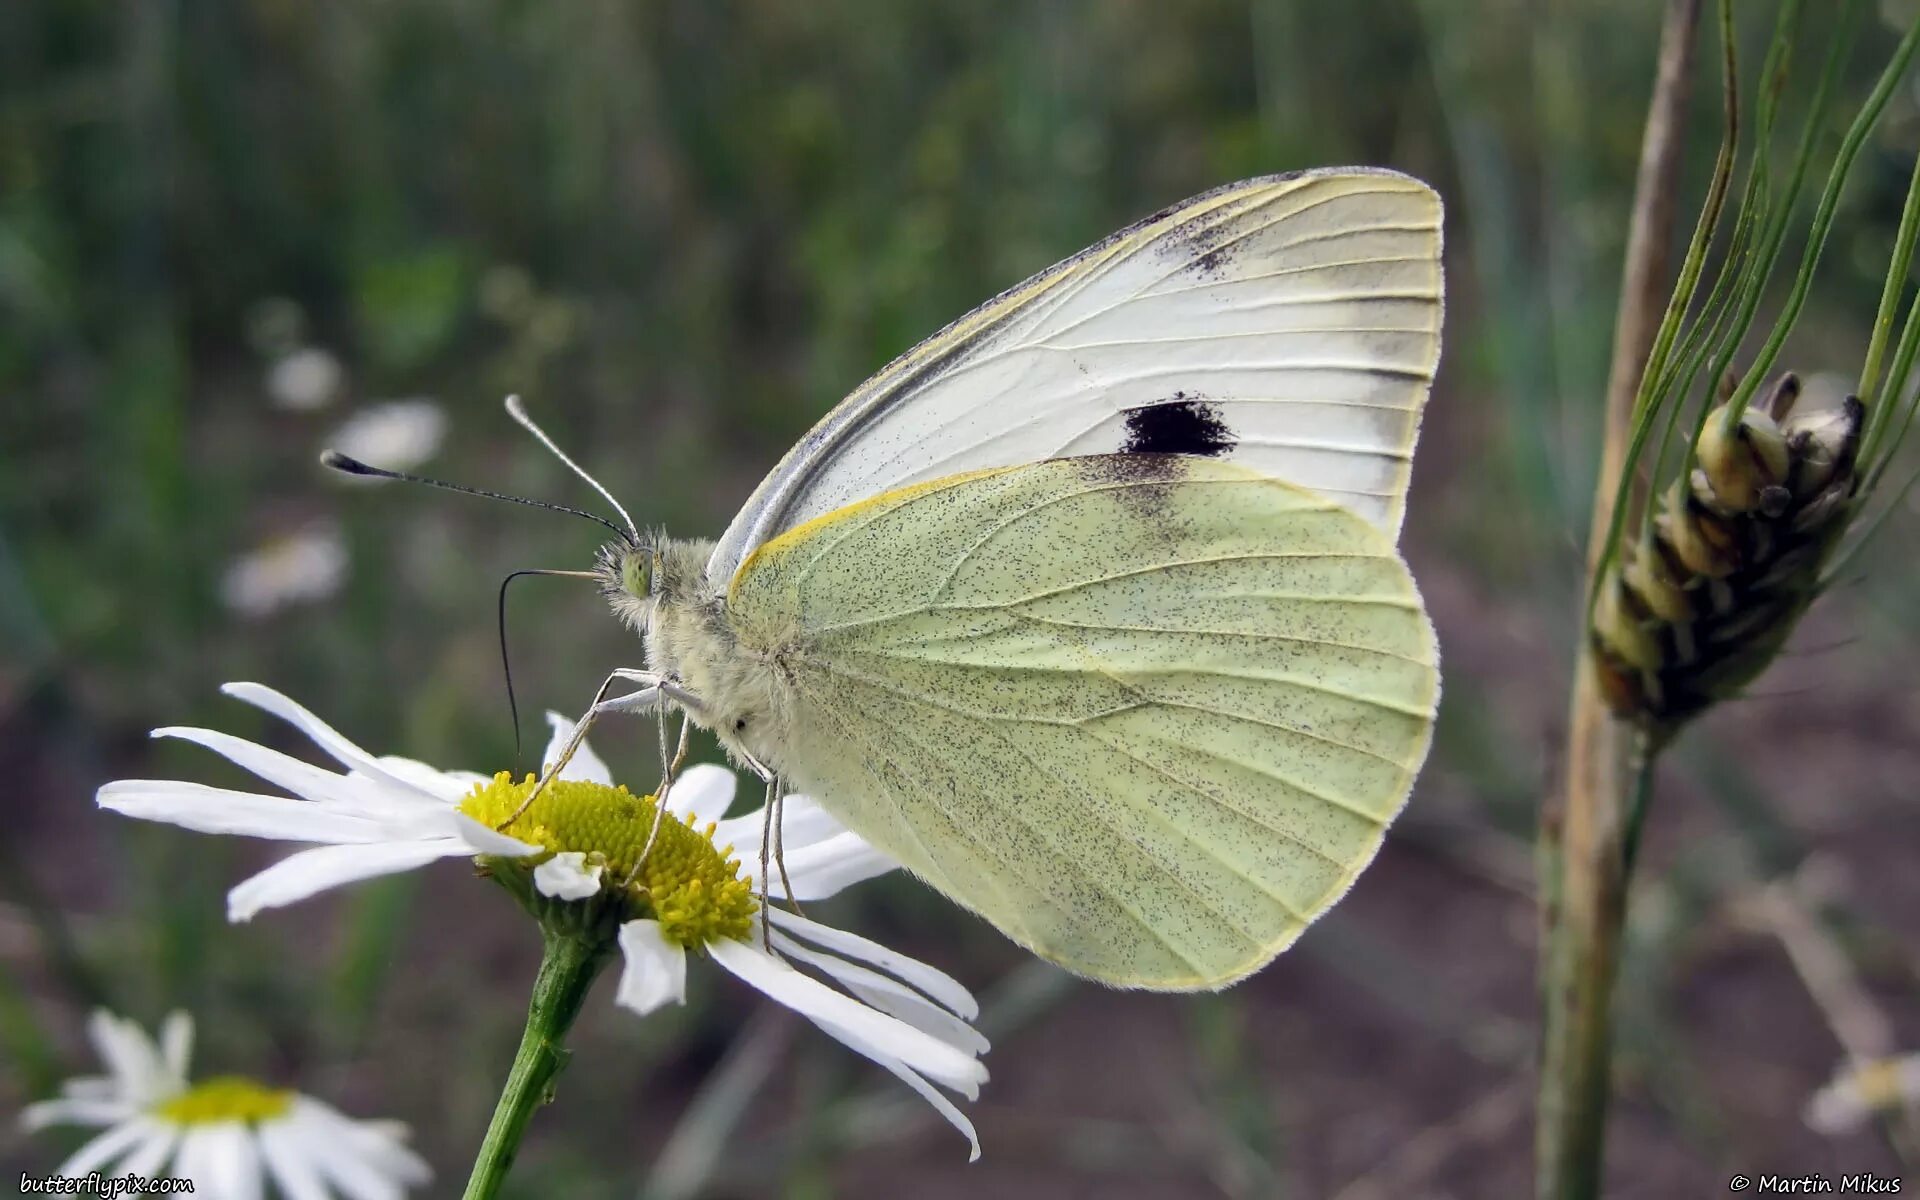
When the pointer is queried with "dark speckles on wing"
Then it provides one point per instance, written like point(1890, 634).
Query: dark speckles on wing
point(1180, 424)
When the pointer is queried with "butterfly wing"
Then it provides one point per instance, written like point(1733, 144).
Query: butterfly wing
point(1149, 715)
point(1289, 323)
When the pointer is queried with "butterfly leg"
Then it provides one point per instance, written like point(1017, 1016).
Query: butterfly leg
point(657, 690)
point(780, 850)
point(669, 771)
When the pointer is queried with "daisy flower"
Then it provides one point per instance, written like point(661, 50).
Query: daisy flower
point(400, 433)
point(227, 1134)
point(296, 568)
point(1861, 1090)
point(584, 858)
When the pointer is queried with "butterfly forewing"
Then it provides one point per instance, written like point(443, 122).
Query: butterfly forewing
point(1148, 714)
point(1289, 323)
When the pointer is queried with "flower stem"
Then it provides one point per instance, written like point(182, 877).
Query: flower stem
point(567, 970)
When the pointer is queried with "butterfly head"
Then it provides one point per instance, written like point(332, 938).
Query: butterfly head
point(629, 574)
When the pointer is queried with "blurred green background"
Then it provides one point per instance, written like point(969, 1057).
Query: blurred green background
point(683, 230)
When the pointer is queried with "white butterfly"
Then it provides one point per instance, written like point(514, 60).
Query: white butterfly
point(1087, 608)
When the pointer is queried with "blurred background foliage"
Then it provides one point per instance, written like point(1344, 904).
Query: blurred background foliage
point(683, 230)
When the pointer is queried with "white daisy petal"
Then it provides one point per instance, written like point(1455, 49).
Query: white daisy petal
point(945, 1107)
point(150, 1155)
point(826, 868)
point(282, 770)
point(566, 876)
point(69, 1111)
point(356, 1177)
point(447, 787)
point(810, 998)
point(91, 1087)
point(311, 871)
point(802, 823)
point(229, 1161)
point(176, 1044)
point(322, 734)
point(132, 1060)
point(655, 973)
point(106, 1148)
point(702, 793)
point(289, 1154)
point(584, 765)
point(193, 1160)
point(890, 996)
point(935, 983)
point(382, 1144)
point(216, 810)
point(485, 839)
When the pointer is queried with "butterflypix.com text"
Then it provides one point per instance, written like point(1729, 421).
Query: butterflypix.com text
point(109, 1186)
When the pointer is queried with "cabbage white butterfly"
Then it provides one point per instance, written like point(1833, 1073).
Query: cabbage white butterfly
point(1088, 609)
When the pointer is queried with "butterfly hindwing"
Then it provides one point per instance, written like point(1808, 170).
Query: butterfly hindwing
point(1148, 714)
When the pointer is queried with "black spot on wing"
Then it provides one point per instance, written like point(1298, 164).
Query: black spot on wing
point(1179, 424)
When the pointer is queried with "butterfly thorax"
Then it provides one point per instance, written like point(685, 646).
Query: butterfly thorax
point(683, 620)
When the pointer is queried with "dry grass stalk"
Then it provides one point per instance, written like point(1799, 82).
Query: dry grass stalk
point(1583, 850)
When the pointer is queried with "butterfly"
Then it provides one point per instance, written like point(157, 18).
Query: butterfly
point(1088, 609)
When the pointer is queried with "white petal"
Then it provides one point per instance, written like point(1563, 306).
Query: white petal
point(289, 1155)
point(936, 983)
point(216, 810)
point(152, 1153)
point(281, 770)
point(702, 793)
point(446, 787)
point(229, 1163)
point(91, 1087)
point(322, 734)
point(347, 1167)
point(825, 868)
point(906, 1075)
point(655, 973)
point(380, 1144)
point(104, 1149)
point(585, 765)
point(310, 871)
point(810, 998)
point(890, 996)
point(566, 876)
point(802, 823)
point(176, 1044)
point(131, 1058)
point(70, 1111)
point(485, 839)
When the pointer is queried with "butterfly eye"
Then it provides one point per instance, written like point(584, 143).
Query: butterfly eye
point(636, 573)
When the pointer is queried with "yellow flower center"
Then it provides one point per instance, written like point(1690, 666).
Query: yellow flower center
point(689, 885)
point(225, 1098)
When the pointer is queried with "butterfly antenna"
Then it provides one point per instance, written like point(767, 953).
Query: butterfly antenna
point(518, 412)
point(333, 460)
point(506, 661)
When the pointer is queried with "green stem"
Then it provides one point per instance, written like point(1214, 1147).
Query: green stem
point(567, 971)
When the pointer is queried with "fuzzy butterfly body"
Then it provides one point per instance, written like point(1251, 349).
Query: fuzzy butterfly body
point(1087, 609)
